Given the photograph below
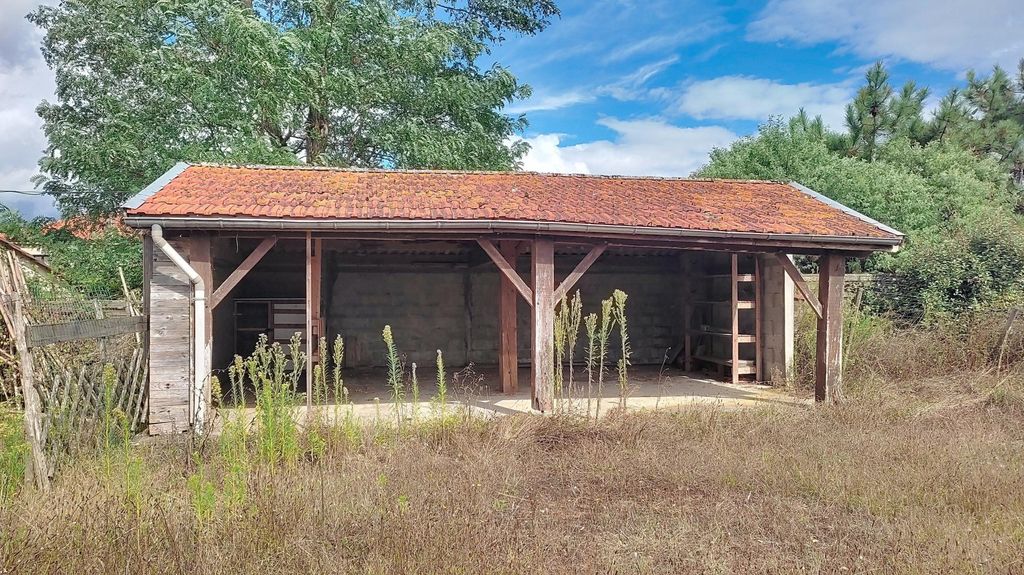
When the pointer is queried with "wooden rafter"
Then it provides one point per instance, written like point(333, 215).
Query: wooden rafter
point(798, 280)
point(240, 272)
point(507, 269)
point(581, 268)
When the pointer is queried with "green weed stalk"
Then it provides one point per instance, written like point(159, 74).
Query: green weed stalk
point(622, 366)
point(572, 331)
point(395, 374)
point(590, 323)
point(441, 397)
point(603, 334)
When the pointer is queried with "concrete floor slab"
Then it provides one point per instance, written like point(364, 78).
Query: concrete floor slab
point(475, 389)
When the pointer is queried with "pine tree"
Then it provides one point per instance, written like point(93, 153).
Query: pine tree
point(878, 113)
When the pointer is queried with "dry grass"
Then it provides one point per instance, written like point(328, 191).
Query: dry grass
point(885, 483)
point(921, 470)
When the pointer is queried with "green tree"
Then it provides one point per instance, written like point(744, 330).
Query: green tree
point(995, 107)
point(964, 248)
point(90, 265)
point(878, 113)
point(141, 84)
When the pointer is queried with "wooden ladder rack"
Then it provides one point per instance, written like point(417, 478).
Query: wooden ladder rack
point(732, 361)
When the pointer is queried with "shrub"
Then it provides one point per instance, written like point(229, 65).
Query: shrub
point(12, 453)
point(969, 268)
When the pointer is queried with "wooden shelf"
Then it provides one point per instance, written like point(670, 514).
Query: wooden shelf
point(707, 321)
point(745, 367)
point(739, 277)
point(742, 338)
point(742, 304)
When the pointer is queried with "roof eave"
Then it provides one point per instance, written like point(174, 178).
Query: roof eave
point(846, 209)
point(494, 226)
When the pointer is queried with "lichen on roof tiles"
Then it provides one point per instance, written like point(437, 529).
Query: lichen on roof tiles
point(338, 194)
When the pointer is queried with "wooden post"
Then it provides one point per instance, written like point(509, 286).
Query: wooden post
point(828, 372)
point(200, 253)
point(310, 344)
point(758, 336)
point(543, 350)
point(38, 470)
point(508, 360)
point(735, 340)
point(686, 281)
point(317, 287)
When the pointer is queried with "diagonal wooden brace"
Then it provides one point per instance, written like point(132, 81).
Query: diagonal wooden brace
point(581, 268)
point(240, 272)
point(507, 269)
point(798, 280)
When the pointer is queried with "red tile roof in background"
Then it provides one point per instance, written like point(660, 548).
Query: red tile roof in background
point(332, 194)
point(85, 228)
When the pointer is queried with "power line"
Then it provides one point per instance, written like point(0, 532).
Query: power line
point(66, 193)
point(24, 192)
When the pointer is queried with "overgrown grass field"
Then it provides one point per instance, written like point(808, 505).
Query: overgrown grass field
point(910, 474)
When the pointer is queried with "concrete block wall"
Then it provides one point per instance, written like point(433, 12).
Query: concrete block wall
point(456, 311)
point(454, 307)
point(777, 325)
point(426, 311)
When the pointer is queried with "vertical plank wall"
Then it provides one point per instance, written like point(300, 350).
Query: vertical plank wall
point(169, 343)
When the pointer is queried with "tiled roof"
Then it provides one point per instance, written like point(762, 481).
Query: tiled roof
point(85, 228)
point(338, 194)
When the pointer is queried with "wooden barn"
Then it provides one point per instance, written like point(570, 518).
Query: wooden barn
point(474, 263)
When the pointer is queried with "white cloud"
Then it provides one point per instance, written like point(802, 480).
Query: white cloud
point(748, 98)
point(549, 102)
point(950, 34)
point(640, 148)
point(633, 85)
point(661, 43)
point(24, 82)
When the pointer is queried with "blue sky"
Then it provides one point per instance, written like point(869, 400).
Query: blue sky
point(648, 87)
point(645, 87)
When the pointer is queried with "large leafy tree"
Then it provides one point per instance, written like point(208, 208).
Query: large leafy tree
point(965, 243)
point(366, 83)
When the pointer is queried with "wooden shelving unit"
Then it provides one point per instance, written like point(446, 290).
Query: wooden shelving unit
point(694, 337)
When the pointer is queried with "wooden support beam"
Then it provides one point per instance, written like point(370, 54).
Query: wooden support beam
point(310, 343)
point(828, 371)
point(581, 268)
point(240, 272)
point(734, 244)
point(759, 337)
point(507, 269)
point(508, 360)
point(200, 255)
point(543, 350)
point(735, 340)
point(801, 285)
point(686, 269)
point(317, 285)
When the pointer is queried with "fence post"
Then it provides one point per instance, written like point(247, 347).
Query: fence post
point(38, 470)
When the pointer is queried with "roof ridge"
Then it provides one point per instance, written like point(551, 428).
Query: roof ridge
point(306, 167)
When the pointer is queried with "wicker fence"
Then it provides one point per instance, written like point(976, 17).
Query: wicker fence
point(75, 361)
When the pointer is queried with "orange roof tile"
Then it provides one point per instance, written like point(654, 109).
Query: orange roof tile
point(294, 193)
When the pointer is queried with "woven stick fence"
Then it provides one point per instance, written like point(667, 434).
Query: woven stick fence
point(81, 362)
